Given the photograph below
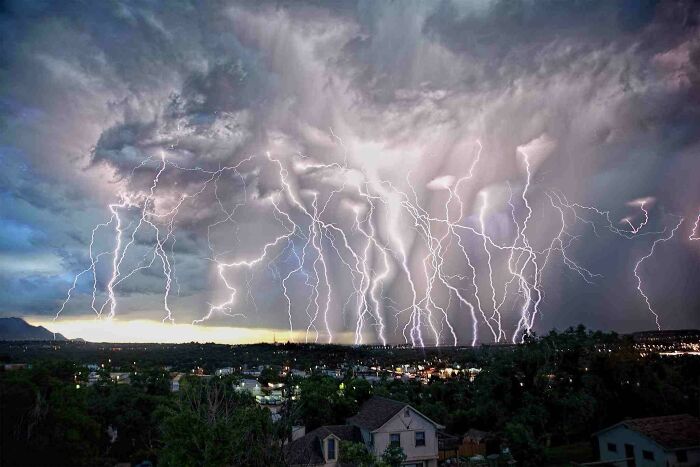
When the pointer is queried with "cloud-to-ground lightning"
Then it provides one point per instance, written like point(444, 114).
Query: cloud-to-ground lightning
point(641, 260)
point(368, 230)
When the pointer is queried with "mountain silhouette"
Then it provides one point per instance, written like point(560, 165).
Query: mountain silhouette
point(17, 329)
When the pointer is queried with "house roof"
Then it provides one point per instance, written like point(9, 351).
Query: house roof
point(670, 432)
point(307, 449)
point(376, 412)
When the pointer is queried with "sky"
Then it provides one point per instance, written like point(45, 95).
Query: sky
point(430, 173)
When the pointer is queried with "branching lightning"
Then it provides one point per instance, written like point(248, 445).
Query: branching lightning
point(372, 233)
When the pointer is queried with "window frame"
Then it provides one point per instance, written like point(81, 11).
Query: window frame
point(415, 439)
point(391, 442)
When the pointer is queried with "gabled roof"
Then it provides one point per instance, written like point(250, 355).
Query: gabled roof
point(376, 412)
point(307, 449)
point(669, 432)
point(343, 432)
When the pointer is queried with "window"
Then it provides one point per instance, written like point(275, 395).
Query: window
point(648, 455)
point(331, 449)
point(682, 456)
point(629, 454)
point(371, 439)
point(612, 447)
point(406, 412)
point(420, 438)
point(395, 439)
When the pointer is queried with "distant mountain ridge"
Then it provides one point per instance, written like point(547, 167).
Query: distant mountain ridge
point(17, 329)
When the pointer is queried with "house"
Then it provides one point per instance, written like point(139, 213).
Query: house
point(670, 441)
point(224, 371)
point(384, 421)
point(299, 373)
point(321, 447)
point(120, 377)
point(379, 423)
point(250, 385)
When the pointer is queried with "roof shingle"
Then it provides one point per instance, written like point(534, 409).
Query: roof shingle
point(376, 412)
point(671, 432)
point(307, 449)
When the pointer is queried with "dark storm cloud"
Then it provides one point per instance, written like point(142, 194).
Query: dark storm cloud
point(93, 94)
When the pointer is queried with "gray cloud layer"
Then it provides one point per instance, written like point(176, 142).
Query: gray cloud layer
point(604, 95)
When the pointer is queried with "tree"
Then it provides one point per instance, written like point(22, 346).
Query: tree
point(524, 445)
point(153, 381)
point(214, 425)
point(269, 375)
point(44, 418)
point(393, 456)
point(130, 420)
point(356, 454)
point(323, 403)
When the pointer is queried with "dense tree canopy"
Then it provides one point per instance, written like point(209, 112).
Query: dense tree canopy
point(552, 391)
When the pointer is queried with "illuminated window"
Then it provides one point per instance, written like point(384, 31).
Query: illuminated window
point(395, 439)
point(420, 438)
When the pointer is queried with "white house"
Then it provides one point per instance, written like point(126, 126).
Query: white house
point(250, 385)
point(224, 371)
point(379, 423)
point(670, 441)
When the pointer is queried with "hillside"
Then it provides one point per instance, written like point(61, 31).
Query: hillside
point(17, 329)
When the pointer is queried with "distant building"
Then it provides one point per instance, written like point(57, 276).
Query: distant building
point(667, 337)
point(16, 366)
point(175, 382)
point(380, 423)
point(670, 441)
point(271, 399)
point(299, 373)
point(250, 385)
point(120, 378)
point(93, 377)
point(224, 371)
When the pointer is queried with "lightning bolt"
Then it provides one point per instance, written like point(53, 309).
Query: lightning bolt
point(314, 235)
point(646, 257)
point(695, 231)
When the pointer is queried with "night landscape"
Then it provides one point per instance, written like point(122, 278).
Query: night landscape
point(350, 233)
